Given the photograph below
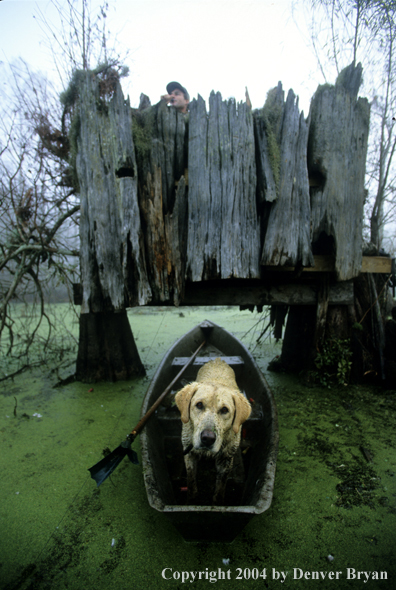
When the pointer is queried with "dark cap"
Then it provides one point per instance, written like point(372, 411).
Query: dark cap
point(173, 85)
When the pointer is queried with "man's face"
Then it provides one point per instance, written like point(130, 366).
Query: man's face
point(178, 101)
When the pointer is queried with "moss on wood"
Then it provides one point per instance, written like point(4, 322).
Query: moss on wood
point(272, 115)
point(142, 131)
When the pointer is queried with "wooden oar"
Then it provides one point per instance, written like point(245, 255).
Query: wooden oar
point(101, 470)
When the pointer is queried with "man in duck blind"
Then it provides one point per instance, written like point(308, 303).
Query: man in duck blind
point(177, 97)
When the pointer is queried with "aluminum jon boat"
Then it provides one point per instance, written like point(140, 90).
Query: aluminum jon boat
point(250, 487)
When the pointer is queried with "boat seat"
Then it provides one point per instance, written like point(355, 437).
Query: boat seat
point(236, 362)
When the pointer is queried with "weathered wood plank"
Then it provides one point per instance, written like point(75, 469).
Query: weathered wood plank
point(160, 139)
point(223, 225)
point(256, 293)
point(176, 239)
point(144, 232)
point(326, 263)
point(112, 255)
point(287, 239)
point(267, 132)
point(337, 154)
point(376, 264)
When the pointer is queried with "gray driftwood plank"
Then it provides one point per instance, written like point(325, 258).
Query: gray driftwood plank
point(267, 131)
point(160, 140)
point(337, 156)
point(113, 267)
point(223, 225)
point(287, 239)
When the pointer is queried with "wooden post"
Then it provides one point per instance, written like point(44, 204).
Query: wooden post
point(298, 350)
point(112, 259)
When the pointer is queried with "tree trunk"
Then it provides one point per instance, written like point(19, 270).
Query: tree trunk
point(112, 259)
point(362, 324)
point(372, 307)
point(298, 349)
point(107, 349)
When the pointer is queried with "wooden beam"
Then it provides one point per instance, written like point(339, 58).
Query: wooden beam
point(373, 264)
point(255, 292)
point(377, 264)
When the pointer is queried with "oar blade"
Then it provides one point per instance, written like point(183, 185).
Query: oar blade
point(101, 470)
point(132, 456)
point(105, 467)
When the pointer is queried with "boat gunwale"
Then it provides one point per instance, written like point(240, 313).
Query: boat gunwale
point(266, 493)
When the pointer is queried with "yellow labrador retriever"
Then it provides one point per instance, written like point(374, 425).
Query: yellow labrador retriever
point(212, 411)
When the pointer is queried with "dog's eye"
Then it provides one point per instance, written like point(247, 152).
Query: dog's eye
point(224, 410)
point(199, 405)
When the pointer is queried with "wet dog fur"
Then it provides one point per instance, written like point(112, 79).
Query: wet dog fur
point(212, 412)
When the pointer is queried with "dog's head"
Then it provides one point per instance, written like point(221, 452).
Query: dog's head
point(215, 412)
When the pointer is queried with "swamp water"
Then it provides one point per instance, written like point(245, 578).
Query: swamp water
point(335, 486)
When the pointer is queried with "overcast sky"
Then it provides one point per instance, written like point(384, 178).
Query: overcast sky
point(221, 45)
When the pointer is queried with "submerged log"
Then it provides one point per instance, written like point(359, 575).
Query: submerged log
point(223, 225)
point(336, 158)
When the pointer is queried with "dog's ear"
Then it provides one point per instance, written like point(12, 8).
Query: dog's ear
point(242, 411)
point(183, 399)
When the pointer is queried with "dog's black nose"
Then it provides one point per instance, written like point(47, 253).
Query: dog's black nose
point(208, 437)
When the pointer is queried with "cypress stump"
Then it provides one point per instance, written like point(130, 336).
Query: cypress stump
point(113, 270)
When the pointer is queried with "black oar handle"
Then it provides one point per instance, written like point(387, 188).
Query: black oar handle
point(133, 434)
